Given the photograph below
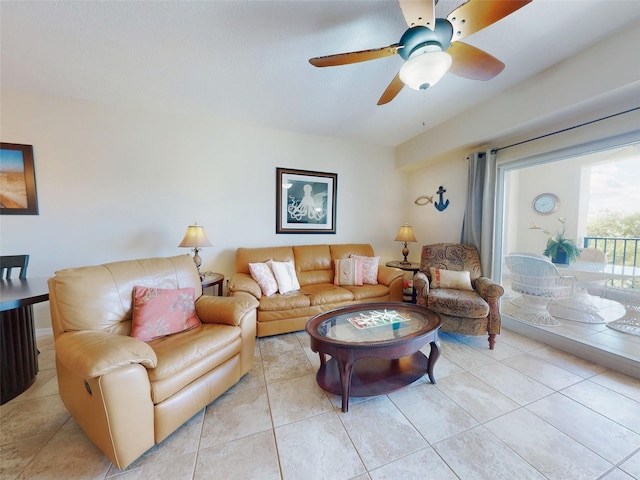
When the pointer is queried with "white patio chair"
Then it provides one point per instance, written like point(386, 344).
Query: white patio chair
point(629, 298)
point(593, 255)
point(581, 307)
point(538, 281)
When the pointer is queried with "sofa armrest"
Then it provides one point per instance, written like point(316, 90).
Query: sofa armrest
point(487, 288)
point(225, 310)
point(90, 353)
point(386, 275)
point(242, 282)
point(421, 286)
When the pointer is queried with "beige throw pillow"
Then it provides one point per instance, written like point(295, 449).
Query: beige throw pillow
point(441, 278)
point(285, 273)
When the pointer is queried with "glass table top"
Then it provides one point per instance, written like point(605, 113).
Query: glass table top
point(375, 325)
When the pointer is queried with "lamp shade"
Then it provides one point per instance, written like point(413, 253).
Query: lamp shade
point(405, 234)
point(425, 67)
point(195, 237)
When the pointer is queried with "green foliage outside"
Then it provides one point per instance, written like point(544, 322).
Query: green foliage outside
point(614, 225)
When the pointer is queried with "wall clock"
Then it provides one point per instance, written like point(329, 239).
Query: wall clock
point(545, 203)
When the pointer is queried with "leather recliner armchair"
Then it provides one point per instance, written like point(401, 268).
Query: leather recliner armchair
point(127, 394)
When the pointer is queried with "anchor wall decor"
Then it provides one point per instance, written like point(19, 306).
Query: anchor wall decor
point(441, 205)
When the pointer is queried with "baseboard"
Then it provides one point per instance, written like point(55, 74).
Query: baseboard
point(44, 332)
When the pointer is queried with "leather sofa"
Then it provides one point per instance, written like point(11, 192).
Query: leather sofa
point(128, 394)
point(314, 268)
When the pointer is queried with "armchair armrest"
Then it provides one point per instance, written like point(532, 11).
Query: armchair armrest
point(242, 282)
point(487, 288)
point(421, 286)
point(386, 275)
point(90, 353)
point(225, 310)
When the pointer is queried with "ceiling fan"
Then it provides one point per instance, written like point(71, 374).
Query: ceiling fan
point(431, 46)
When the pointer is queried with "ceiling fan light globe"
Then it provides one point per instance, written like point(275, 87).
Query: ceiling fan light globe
point(425, 70)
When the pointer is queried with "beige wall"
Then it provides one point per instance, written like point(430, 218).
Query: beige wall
point(587, 86)
point(120, 183)
point(431, 225)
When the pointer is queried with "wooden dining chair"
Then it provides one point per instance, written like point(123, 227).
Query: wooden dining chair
point(9, 262)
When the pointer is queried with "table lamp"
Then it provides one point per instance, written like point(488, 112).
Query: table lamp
point(405, 235)
point(195, 238)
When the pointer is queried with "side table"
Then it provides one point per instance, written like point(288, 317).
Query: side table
point(213, 280)
point(407, 267)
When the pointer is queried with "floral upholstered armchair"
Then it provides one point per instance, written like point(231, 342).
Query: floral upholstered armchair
point(450, 283)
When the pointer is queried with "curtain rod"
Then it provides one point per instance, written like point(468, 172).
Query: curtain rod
point(564, 130)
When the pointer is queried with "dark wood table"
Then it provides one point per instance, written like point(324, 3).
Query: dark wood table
point(19, 353)
point(371, 360)
point(407, 267)
point(213, 280)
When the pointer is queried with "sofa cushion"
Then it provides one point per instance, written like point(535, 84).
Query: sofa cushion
point(158, 312)
point(367, 292)
point(345, 250)
point(285, 273)
point(313, 264)
point(245, 256)
point(287, 301)
point(326, 293)
point(263, 275)
point(457, 303)
point(369, 269)
point(348, 271)
point(442, 278)
point(184, 357)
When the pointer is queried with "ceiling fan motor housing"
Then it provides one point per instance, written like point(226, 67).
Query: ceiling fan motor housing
point(418, 37)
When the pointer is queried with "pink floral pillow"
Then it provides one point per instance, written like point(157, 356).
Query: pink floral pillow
point(369, 269)
point(158, 312)
point(263, 275)
point(348, 271)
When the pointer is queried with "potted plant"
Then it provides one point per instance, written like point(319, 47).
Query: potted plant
point(561, 249)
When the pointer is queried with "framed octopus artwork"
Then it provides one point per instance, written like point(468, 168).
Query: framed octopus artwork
point(305, 201)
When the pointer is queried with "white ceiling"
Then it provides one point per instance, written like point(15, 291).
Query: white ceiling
point(248, 60)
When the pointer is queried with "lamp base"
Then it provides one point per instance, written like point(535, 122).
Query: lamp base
point(196, 258)
point(405, 254)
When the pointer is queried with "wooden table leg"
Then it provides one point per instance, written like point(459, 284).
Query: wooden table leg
point(345, 369)
point(433, 357)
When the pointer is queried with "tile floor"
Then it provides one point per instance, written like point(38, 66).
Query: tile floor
point(522, 411)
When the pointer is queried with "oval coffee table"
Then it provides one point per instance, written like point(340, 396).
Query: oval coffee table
point(374, 347)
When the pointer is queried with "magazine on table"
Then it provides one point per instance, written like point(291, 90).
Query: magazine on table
point(376, 318)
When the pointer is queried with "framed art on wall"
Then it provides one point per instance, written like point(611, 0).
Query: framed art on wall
point(305, 201)
point(17, 180)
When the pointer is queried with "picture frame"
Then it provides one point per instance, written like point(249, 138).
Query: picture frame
point(305, 201)
point(18, 194)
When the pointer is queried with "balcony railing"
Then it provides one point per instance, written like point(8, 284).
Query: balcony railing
point(620, 251)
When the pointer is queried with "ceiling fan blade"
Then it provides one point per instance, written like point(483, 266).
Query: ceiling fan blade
point(475, 15)
point(419, 13)
point(392, 90)
point(354, 57)
point(471, 62)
